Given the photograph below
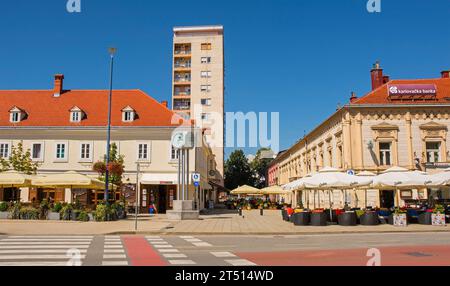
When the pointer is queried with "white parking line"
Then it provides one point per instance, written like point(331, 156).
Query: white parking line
point(240, 262)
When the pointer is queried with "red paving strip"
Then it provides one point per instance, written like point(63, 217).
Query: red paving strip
point(390, 256)
point(141, 253)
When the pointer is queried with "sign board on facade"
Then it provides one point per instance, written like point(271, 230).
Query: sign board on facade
point(412, 90)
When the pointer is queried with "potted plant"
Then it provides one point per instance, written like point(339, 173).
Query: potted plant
point(438, 216)
point(54, 213)
point(29, 213)
point(4, 210)
point(75, 214)
point(83, 216)
point(399, 217)
point(44, 208)
point(14, 211)
point(66, 212)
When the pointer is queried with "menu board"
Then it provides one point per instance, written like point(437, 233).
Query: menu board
point(400, 220)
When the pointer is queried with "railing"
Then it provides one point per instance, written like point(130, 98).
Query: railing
point(182, 79)
point(185, 65)
point(182, 93)
point(182, 107)
point(182, 52)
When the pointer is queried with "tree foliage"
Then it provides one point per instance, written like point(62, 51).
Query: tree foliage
point(20, 161)
point(238, 171)
point(260, 165)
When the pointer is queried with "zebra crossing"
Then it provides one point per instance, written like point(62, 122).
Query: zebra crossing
point(173, 255)
point(44, 250)
point(114, 252)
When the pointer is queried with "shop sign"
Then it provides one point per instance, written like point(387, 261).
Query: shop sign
point(438, 219)
point(400, 220)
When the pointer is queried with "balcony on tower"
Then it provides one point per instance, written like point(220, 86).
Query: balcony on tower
point(182, 50)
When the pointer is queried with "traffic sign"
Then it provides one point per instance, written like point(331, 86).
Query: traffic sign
point(196, 184)
point(196, 177)
point(351, 172)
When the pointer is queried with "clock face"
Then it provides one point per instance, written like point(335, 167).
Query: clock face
point(178, 140)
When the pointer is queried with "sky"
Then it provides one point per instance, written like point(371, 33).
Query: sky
point(296, 57)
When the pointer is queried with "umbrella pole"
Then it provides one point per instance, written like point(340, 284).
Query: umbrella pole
point(331, 206)
point(365, 198)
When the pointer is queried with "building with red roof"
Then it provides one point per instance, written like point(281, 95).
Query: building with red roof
point(65, 130)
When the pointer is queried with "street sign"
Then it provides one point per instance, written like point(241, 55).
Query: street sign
point(196, 178)
point(197, 184)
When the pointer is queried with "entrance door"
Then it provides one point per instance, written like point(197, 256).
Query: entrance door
point(162, 194)
point(387, 199)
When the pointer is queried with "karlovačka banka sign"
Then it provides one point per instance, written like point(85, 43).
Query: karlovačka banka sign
point(403, 90)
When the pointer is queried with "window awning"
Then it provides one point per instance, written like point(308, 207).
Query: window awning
point(159, 179)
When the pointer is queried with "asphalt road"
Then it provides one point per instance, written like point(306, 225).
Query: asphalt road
point(419, 249)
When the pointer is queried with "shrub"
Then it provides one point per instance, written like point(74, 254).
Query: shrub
point(66, 212)
point(29, 213)
point(439, 209)
point(83, 216)
point(57, 207)
point(3, 206)
point(101, 212)
point(44, 208)
point(15, 210)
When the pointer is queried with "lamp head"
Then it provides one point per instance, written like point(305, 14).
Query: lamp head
point(112, 51)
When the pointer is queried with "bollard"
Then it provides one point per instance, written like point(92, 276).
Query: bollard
point(240, 212)
point(261, 212)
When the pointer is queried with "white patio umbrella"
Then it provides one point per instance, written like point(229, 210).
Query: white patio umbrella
point(331, 178)
point(441, 179)
point(401, 178)
point(366, 174)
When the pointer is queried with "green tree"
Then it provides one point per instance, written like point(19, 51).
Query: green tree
point(20, 161)
point(238, 171)
point(260, 165)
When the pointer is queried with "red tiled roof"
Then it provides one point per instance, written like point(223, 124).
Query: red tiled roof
point(43, 109)
point(381, 94)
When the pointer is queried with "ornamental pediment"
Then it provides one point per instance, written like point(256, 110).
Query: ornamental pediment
point(433, 126)
point(385, 126)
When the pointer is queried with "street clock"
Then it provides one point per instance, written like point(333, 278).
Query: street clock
point(182, 139)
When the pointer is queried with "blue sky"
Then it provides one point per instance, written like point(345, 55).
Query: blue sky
point(299, 58)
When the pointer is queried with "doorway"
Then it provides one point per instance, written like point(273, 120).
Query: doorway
point(387, 199)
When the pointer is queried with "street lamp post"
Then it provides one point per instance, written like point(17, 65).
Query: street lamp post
point(112, 52)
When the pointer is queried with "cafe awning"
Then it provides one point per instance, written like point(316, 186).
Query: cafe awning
point(72, 180)
point(14, 179)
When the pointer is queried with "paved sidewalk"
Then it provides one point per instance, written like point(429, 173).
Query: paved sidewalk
point(213, 224)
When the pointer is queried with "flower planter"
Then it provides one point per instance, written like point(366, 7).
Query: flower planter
point(91, 217)
point(74, 216)
point(53, 216)
point(425, 218)
point(319, 219)
point(4, 215)
point(284, 215)
point(369, 218)
point(347, 219)
point(438, 219)
point(301, 219)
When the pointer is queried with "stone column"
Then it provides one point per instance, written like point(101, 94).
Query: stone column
point(409, 138)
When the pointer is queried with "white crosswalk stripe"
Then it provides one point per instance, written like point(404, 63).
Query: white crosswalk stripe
point(240, 262)
point(195, 241)
point(44, 250)
point(223, 254)
point(114, 252)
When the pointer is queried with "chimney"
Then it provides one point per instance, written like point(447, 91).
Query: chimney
point(353, 98)
point(165, 103)
point(376, 75)
point(386, 79)
point(445, 74)
point(58, 89)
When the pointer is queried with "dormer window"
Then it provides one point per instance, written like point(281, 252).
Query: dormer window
point(16, 115)
point(76, 115)
point(128, 114)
